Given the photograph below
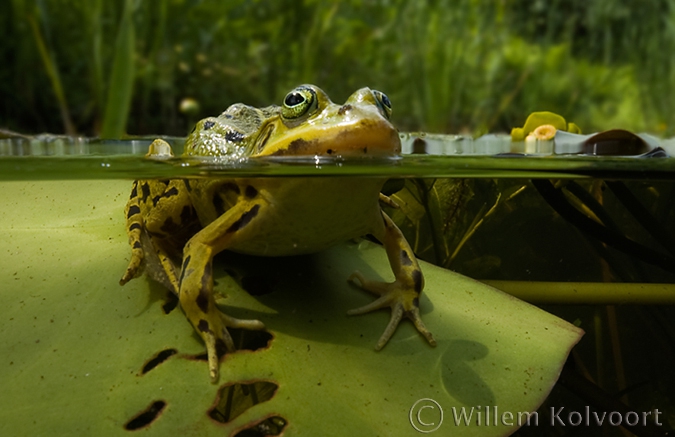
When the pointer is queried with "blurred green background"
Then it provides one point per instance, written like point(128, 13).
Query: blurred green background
point(95, 67)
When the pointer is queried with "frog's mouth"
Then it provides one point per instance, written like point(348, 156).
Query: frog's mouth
point(364, 137)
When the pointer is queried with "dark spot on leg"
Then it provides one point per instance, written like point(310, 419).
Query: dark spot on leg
point(170, 192)
point(133, 210)
point(206, 276)
point(250, 192)
point(203, 301)
point(405, 259)
point(203, 297)
point(145, 190)
point(203, 326)
point(209, 124)
point(137, 245)
point(221, 347)
point(365, 150)
point(187, 184)
point(164, 182)
point(417, 280)
point(218, 204)
point(134, 226)
point(134, 190)
point(186, 262)
point(244, 219)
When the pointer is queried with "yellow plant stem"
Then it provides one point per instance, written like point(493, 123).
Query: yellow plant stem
point(574, 293)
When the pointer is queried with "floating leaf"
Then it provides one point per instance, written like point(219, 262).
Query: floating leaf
point(74, 343)
point(537, 119)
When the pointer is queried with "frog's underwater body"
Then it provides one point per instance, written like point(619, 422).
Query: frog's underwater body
point(194, 219)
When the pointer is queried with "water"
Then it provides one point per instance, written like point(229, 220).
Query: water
point(53, 157)
point(577, 229)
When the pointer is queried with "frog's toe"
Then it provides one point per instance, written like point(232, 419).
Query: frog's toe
point(134, 270)
point(214, 344)
point(249, 324)
point(219, 340)
point(403, 302)
point(414, 316)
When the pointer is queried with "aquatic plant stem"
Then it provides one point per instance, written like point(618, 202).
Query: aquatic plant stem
point(587, 293)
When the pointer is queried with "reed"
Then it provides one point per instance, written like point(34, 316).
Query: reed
point(462, 66)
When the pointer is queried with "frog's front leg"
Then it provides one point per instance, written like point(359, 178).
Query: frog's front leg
point(196, 280)
point(403, 294)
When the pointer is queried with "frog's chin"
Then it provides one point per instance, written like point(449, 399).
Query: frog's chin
point(366, 138)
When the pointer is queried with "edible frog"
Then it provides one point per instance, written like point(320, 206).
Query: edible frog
point(194, 219)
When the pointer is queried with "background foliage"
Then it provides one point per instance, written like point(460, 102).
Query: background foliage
point(142, 67)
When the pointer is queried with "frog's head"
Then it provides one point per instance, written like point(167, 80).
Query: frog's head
point(308, 123)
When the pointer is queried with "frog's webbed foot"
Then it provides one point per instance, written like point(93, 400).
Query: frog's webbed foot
point(403, 300)
point(402, 295)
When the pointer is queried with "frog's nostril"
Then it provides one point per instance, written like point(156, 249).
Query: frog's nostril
point(344, 109)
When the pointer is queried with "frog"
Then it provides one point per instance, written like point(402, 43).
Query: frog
point(175, 227)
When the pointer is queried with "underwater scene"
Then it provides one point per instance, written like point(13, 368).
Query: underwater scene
point(586, 238)
point(367, 218)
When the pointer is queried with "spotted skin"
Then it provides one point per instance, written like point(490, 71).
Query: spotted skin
point(177, 226)
point(159, 210)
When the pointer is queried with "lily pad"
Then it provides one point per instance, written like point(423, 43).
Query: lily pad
point(83, 356)
point(536, 119)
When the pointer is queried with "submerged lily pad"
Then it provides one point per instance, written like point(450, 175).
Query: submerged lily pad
point(83, 356)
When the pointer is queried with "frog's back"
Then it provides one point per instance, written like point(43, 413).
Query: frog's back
point(229, 134)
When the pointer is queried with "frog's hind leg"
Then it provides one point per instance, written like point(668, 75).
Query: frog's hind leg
point(134, 221)
point(196, 280)
point(160, 216)
point(402, 295)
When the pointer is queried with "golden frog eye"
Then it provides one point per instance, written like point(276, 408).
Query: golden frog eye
point(383, 103)
point(299, 102)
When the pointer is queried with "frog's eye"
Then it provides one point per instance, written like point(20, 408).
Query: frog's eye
point(299, 102)
point(383, 103)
